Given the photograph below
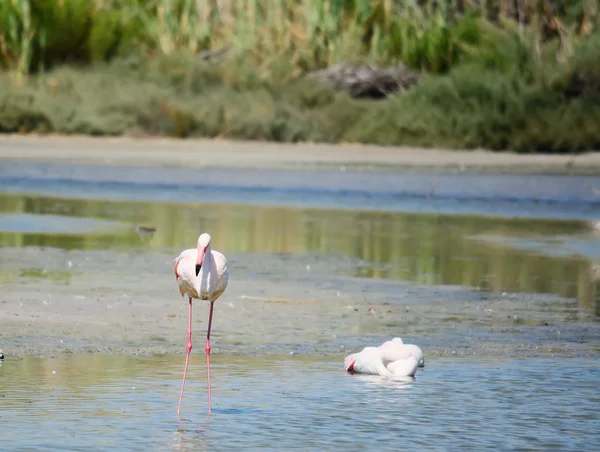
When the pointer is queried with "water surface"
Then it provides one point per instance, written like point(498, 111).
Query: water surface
point(498, 254)
point(495, 276)
point(531, 195)
point(129, 403)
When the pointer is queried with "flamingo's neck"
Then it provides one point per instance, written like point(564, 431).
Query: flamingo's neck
point(203, 278)
point(206, 261)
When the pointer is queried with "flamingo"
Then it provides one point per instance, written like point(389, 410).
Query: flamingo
point(396, 349)
point(202, 274)
point(391, 359)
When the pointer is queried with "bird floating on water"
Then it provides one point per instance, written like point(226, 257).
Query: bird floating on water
point(202, 274)
point(391, 359)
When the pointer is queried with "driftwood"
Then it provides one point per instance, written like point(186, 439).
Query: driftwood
point(367, 81)
point(360, 81)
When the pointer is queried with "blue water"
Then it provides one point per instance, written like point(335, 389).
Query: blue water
point(100, 403)
point(490, 400)
point(53, 224)
point(529, 195)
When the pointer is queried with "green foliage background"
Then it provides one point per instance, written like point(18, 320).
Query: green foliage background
point(522, 75)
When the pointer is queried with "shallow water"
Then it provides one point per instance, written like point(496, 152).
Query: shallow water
point(489, 274)
point(500, 254)
point(530, 196)
point(85, 402)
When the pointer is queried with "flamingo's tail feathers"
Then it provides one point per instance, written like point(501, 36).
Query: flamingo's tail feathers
point(349, 363)
point(176, 273)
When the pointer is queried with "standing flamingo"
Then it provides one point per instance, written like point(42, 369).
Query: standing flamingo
point(202, 274)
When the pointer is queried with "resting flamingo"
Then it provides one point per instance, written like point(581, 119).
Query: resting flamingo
point(391, 359)
point(202, 274)
point(396, 349)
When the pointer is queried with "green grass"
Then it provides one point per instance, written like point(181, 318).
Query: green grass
point(518, 75)
point(40, 34)
point(182, 97)
point(433, 35)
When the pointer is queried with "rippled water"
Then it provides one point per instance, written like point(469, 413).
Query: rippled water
point(531, 195)
point(129, 403)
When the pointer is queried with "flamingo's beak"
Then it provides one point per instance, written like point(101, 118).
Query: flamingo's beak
point(199, 260)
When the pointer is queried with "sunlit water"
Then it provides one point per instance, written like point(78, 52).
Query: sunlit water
point(125, 403)
point(504, 233)
point(530, 195)
point(535, 234)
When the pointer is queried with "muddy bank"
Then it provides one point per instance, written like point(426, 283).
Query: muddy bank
point(200, 153)
point(55, 302)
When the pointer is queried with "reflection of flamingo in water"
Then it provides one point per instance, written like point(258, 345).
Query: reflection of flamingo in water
point(202, 274)
point(391, 359)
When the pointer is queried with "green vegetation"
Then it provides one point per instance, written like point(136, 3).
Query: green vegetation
point(501, 74)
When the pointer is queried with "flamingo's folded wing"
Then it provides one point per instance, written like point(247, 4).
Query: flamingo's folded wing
point(403, 367)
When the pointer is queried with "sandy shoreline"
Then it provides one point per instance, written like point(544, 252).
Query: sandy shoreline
point(229, 154)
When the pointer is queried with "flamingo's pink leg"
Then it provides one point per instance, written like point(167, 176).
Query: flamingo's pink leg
point(187, 356)
point(207, 349)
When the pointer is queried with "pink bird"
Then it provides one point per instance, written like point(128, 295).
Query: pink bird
point(202, 274)
point(391, 359)
point(396, 349)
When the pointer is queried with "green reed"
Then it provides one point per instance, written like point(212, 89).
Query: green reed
point(426, 34)
point(500, 74)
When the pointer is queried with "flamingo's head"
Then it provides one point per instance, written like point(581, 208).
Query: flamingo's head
point(203, 243)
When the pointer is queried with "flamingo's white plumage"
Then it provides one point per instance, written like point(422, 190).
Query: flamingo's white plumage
point(396, 349)
point(391, 359)
point(202, 274)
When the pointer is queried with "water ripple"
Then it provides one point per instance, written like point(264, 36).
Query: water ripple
point(313, 405)
point(498, 194)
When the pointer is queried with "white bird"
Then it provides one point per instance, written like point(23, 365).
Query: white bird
point(202, 274)
point(391, 359)
point(396, 349)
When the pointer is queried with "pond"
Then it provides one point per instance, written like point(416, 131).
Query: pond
point(496, 277)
